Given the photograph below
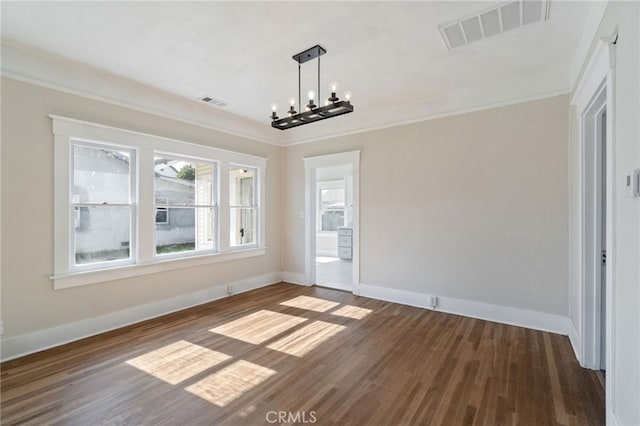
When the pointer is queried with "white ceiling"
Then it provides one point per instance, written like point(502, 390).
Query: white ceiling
point(390, 55)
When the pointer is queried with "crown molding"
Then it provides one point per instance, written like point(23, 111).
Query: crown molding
point(500, 93)
point(596, 12)
point(27, 64)
point(437, 116)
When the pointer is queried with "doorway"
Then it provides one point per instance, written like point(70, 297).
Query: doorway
point(595, 218)
point(332, 221)
point(595, 199)
point(334, 227)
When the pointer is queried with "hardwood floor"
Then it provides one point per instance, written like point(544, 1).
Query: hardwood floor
point(311, 354)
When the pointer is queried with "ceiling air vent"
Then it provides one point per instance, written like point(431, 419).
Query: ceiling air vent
point(214, 101)
point(500, 19)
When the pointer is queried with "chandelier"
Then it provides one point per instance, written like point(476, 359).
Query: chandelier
point(333, 106)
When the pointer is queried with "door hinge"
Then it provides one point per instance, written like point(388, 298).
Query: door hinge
point(604, 257)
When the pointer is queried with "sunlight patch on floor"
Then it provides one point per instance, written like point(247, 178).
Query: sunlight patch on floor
point(178, 361)
point(310, 303)
point(350, 311)
point(302, 341)
point(230, 383)
point(259, 326)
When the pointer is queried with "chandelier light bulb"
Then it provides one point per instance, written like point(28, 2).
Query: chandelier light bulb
point(292, 106)
point(311, 94)
point(347, 96)
point(274, 107)
point(333, 97)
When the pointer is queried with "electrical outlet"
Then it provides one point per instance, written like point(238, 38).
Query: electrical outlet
point(433, 301)
point(229, 289)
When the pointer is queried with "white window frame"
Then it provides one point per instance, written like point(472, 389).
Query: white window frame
point(256, 207)
point(213, 206)
point(66, 130)
point(73, 267)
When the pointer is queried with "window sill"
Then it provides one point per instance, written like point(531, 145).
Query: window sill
point(92, 277)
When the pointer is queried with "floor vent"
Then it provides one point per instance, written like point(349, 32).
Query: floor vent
point(494, 21)
point(214, 101)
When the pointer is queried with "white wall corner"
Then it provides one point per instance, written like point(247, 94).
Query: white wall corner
point(502, 314)
point(24, 344)
point(294, 278)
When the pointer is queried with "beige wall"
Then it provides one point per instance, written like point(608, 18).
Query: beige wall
point(29, 302)
point(625, 379)
point(472, 206)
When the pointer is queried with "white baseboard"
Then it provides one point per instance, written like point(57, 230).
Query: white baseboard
point(36, 341)
point(496, 313)
point(576, 342)
point(294, 278)
point(342, 287)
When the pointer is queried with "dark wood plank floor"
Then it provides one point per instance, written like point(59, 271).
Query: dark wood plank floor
point(312, 353)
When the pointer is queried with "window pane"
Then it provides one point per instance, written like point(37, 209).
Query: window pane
point(332, 198)
point(180, 182)
point(241, 186)
point(186, 229)
point(243, 226)
point(100, 175)
point(331, 219)
point(102, 233)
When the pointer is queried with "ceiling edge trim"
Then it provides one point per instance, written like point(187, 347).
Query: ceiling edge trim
point(32, 59)
point(74, 92)
point(436, 116)
point(596, 13)
point(30, 65)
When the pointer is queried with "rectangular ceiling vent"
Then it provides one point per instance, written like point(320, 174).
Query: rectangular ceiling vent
point(214, 101)
point(494, 21)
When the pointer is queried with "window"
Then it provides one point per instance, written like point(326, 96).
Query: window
point(128, 204)
point(331, 205)
point(186, 187)
point(101, 202)
point(243, 209)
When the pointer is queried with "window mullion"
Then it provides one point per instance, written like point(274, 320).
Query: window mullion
point(260, 202)
point(224, 217)
point(146, 224)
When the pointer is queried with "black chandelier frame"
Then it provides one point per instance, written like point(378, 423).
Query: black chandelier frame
point(313, 113)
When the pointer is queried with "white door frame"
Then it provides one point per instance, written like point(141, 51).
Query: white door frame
point(310, 165)
point(591, 229)
point(589, 99)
